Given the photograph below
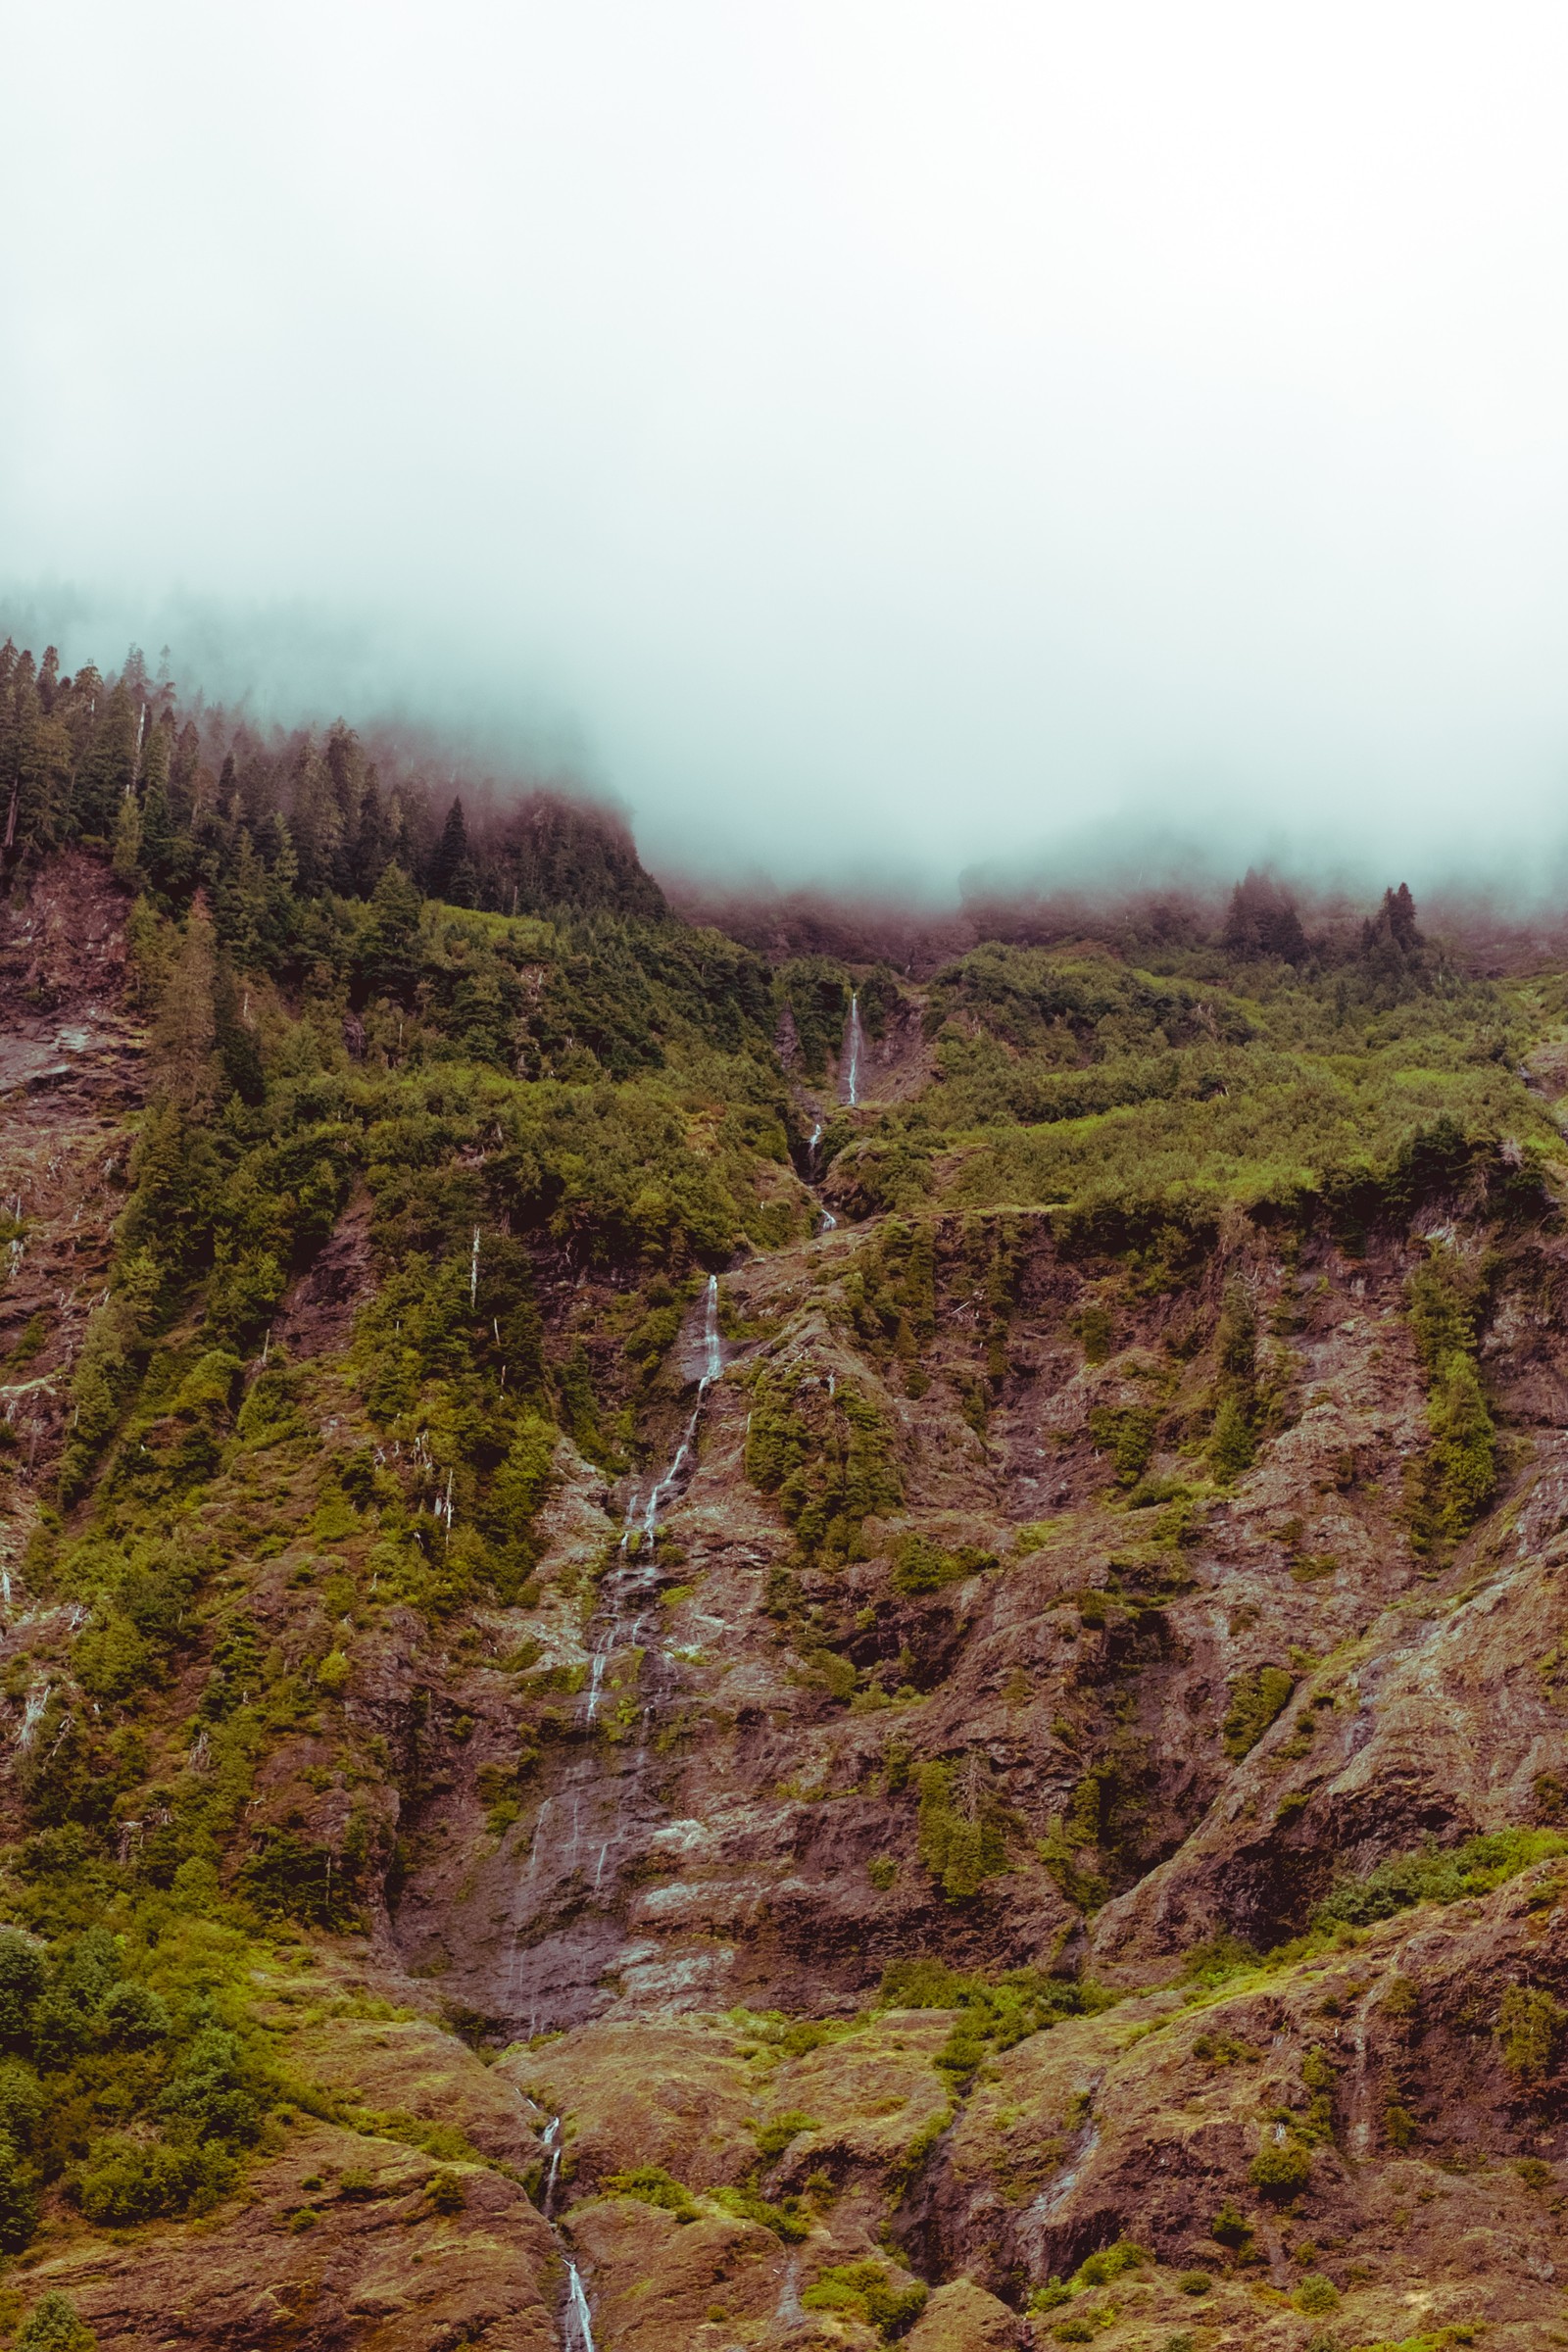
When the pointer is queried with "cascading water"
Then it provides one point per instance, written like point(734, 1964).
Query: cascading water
point(576, 2321)
point(713, 1345)
point(852, 1071)
point(606, 1794)
point(577, 2332)
point(550, 2141)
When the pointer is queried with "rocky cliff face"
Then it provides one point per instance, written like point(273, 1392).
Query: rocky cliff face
point(1019, 1800)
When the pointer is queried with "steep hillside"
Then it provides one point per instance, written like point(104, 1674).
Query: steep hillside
point(724, 1652)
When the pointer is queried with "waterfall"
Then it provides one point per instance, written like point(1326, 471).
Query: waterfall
point(852, 1068)
point(632, 1580)
point(473, 1271)
point(576, 2324)
point(551, 2141)
point(712, 1346)
point(577, 2334)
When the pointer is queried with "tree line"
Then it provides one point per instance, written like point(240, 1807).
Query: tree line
point(190, 797)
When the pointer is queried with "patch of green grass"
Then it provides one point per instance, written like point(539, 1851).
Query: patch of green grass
point(864, 2290)
point(1256, 1699)
point(1439, 1874)
point(651, 2184)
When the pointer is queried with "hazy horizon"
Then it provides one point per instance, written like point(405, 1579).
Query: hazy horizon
point(871, 446)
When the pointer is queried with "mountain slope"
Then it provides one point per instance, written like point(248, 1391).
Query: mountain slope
point(964, 1686)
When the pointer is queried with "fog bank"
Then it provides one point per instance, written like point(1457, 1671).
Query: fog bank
point(876, 444)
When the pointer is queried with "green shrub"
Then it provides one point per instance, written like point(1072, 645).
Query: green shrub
point(1437, 1873)
point(920, 1566)
point(1107, 2263)
point(1530, 2029)
point(1463, 1455)
point(23, 2102)
point(1444, 1297)
point(124, 2180)
point(1194, 2282)
point(924, 1984)
point(1281, 2170)
point(22, 1980)
point(18, 2200)
point(865, 2290)
point(1256, 1699)
point(133, 2016)
point(52, 2326)
point(1398, 2125)
point(445, 2193)
point(286, 1876)
point(1095, 1328)
point(651, 2184)
point(1317, 2295)
point(1232, 1446)
point(748, 2204)
point(1231, 2227)
point(960, 1850)
point(1125, 1431)
point(1050, 2296)
point(828, 1459)
point(217, 2089)
point(776, 2135)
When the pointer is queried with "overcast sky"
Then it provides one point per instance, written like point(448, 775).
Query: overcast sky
point(867, 437)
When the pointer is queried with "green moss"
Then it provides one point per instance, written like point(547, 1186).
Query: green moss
point(748, 2204)
point(827, 1457)
point(1529, 2031)
point(1283, 2168)
point(962, 1842)
point(1436, 1874)
point(866, 2291)
point(1256, 1699)
point(922, 1566)
point(650, 2184)
point(1126, 1432)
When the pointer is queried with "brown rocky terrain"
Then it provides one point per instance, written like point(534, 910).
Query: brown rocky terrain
point(722, 1849)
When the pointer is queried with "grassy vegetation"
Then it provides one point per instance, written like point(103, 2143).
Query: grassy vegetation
point(827, 1456)
point(531, 1137)
point(1129, 1101)
point(1439, 1874)
point(635, 1143)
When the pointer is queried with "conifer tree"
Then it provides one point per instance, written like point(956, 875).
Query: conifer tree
point(451, 874)
point(184, 1033)
point(241, 907)
point(315, 823)
point(109, 770)
point(370, 850)
point(388, 942)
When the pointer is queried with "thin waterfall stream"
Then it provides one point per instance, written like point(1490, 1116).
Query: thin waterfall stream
point(852, 1067)
point(829, 1220)
point(629, 1594)
point(630, 1585)
point(576, 2320)
point(577, 2331)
